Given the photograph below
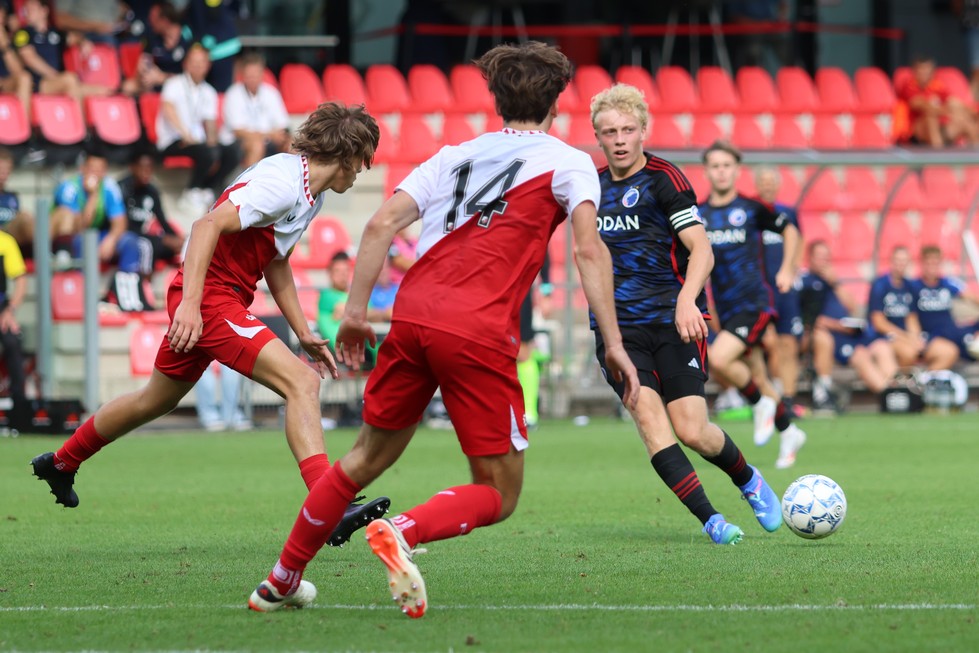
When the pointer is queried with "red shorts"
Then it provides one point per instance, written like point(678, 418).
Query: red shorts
point(231, 335)
point(479, 388)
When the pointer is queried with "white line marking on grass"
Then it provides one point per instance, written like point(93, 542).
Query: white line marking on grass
point(570, 607)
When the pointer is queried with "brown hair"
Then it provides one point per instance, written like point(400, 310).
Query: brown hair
point(525, 79)
point(931, 250)
point(337, 133)
point(251, 59)
point(722, 146)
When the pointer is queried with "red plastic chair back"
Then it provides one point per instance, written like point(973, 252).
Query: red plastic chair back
point(14, 127)
point(115, 119)
point(343, 83)
point(300, 87)
point(387, 90)
point(144, 343)
point(429, 89)
point(59, 118)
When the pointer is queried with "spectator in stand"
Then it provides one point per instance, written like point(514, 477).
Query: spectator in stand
point(215, 415)
point(935, 295)
point(380, 305)
point(334, 298)
point(934, 116)
point(402, 254)
point(12, 270)
point(97, 20)
point(41, 49)
point(893, 313)
point(164, 49)
point(144, 213)
point(254, 114)
point(187, 126)
point(212, 23)
point(837, 335)
point(754, 49)
point(14, 78)
point(968, 12)
point(13, 219)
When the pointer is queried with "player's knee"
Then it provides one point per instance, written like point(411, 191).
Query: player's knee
point(305, 383)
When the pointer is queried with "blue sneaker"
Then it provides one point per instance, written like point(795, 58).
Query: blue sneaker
point(763, 501)
point(722, 532)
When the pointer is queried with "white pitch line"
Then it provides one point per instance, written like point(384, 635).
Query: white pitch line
point(571, 607)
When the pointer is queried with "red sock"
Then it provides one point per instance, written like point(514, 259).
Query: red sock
point(450, 513)
point(320, 514)
point(312, 468)
point(81, 446)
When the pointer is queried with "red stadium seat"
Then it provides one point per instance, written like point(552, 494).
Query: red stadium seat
point(704, 131)
point(868, 135)
point(970, 185)
point(788, 191)
point(301, 89)
point(822, 194)
point(342, 83)
point(716, 91)
point(387, 90)
point(787, 134)
point(429, 88)
point(581, 133)
point(796, 92)
point(114, 119)
point(640, 78)
point(557, 247)
point(941, 188)
point(910, 196)
point(144, 343)
point(956, 83)
point(99, 68)
point(745, 182)
point(67, 296)
point(417, 141)
point(756, 91)
point(59, 119)
point(938, 229)
point(590, 80)
point(14, 126)
point(494, 123)
point(569, 102)
point(149, 107)
point(677, 94)
point(394, 175)
point(835, 90)
point(856, 241)
point(896, 231)
point(327, 236)
point(862, 190)
point(261, 304)
point(747, 135)
point(387, 147)
point(129, 55)
point(695, 175)
point(875, 93)
point(664, 133)
point(470, 90)
point(456, 129)
point(827, 134)
point(814, 226)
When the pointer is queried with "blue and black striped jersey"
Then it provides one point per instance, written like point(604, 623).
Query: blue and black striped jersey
point(735, 233)
point(639, 219)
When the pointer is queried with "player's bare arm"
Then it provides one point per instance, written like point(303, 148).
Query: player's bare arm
point(282, 285)
point(793, 250)
point(690, 323)
point(595, 267)
point(394, 215)
point(185, 330)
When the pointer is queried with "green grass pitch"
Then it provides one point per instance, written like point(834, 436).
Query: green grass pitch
point(175, 530)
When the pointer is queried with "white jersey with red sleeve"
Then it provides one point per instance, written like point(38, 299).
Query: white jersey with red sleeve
point(275, 207)
point(488, 208)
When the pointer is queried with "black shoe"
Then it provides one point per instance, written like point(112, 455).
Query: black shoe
point(60, 482)
point(358, 515)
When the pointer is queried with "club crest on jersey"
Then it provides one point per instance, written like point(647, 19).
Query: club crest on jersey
point(737, 217)
point(631, 198)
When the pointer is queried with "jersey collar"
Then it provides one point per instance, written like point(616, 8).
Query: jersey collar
point(522, 132)
point(309, 196)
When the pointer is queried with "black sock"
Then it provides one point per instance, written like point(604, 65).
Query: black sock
point(732, 462)
point(783, 416)
point(675, 469)
point(751, 393)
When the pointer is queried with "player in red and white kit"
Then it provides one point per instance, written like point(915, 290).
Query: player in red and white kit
point(250, 232)
point(488, 208)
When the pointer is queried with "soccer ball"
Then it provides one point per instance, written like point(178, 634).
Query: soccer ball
point(814, 506)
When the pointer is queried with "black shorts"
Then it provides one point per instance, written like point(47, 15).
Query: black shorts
point(748, 327)
point(673, 368)
point(527, 318)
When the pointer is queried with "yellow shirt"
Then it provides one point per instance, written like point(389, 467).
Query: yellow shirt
point(13, 261)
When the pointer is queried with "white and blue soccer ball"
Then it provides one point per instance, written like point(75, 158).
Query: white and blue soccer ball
point(814, 506)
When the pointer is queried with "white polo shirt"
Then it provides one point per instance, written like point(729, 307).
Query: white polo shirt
point(194, 103)
point(263, 112)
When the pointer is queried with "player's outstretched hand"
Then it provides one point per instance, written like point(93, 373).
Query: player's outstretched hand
point(690, 323)
point(784, 281)
point(319, 351)
point(186, 328)
point(617, 361)
point(350, 340)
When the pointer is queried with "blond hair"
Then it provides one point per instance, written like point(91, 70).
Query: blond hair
point(624, 99)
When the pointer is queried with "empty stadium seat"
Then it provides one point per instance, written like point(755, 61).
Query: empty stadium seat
point(640, 78)
point(827, 134)
point(941, 188)
point(756, 90)
point(716, 91)
point(149, 107)
point(956, 83)
point(704, 131)
point(814, 226)
point(698, 180)
point(568, 101)
point(429, 89)
point(99, 68)
point(788, 191)
point(114, 119)
point(387, 90)
point(909, 196)
point(581, 133)
point(14, 126)
point(387, 146)
point(327, 236)
point(747, 135)
point(59, 119)
point(144, 343)
point(301, 89)
point(129, 55)
point(663, 132)
point(677, 94)
point(868, 135)
point(796, 92)
point(938, 229)
point(394, 175)
point(835, 91)
point(896, 230)
point(590, 80)
point(745, 183)
point(862, 190)
point(470, 90)
point(856, 241)
point(67, 296)
point(787, 134)
point(456, 129)
point(875, 93)
point(822, 194)
point(416, 140)
point(342, 83)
